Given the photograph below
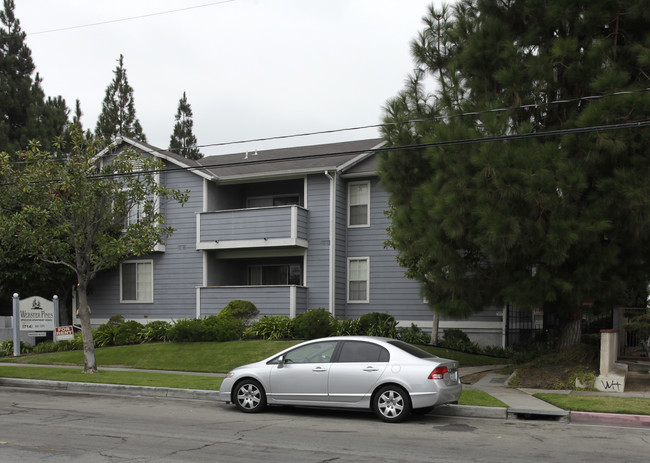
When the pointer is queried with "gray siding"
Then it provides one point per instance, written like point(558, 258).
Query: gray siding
point(177, 271)
point(318, 196)
point(390, 291)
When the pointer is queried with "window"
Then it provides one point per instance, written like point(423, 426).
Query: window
point(316, 352)
point(359, 204)
point(134, 214)
point(355, 351)
point(275, 275)
point(136, 280)
point(358, 280)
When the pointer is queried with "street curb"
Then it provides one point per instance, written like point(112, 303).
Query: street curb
point(116, 389)
point(471, 411)
point(611, 419)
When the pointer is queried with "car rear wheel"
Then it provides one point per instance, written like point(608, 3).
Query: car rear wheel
point(392, 404)
point(249, 396)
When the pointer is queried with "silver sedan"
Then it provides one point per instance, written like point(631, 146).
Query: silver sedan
point(388, 376)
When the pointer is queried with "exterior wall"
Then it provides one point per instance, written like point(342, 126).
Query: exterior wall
point(177, 271)
point(318, 197)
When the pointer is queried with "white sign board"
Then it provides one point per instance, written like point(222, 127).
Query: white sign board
point(64, 333)
point(36, 314)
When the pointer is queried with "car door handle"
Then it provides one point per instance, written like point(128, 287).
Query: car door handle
point(319, 369)
point(370, 369)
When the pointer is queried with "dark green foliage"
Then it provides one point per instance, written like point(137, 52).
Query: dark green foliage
point(118, 109)
point(412, 334)
point(25, 113)
point(155, 331)
point(117, 332)
point(183, 141)
point(208, 329)
point(454, 335)
point(312, 324)
point(349, 327)
point(544, 222)
point(241, 310)
point(377, 324)
point(278, 327)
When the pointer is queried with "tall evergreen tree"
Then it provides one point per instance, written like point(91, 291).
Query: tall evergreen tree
point(555, 223)
point(118, 109)
point(24, 112)
point(182, 140)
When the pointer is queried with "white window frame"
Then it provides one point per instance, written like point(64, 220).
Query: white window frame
point(149, 300)
point(367, 204)
point(367, 280)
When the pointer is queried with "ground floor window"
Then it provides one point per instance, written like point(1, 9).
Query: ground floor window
point(275, 275)
point(358, 278)
point(136, 281)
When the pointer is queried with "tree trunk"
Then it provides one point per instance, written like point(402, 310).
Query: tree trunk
point(90, 364)
point(570, 331)
point(434, 331)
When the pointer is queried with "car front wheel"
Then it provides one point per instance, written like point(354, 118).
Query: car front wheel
point(392, 404)
point(249, 396)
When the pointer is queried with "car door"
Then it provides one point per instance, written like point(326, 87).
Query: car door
point(357, 369)
point(302, 375)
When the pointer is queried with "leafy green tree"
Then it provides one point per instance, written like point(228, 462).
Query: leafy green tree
point(25, 113)
point(74, 209)
point(183, 141)
point(118, 109)
point(539, 221)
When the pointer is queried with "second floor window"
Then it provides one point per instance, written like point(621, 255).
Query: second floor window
point(359, 204)
point(275, 275)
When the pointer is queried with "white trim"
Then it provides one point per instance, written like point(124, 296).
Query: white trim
point(361, 157)
point(292, 301)
point(141, 261)
point(205, 195)
point(294, 223)
point(198, 302)
point(304, 200)
point(198, 231)
point(332, 245)
point(349, 204)
point(257, 243)
point(347, 288)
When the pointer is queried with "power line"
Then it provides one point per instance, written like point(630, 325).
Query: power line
point(433, 118)
point(129, 18)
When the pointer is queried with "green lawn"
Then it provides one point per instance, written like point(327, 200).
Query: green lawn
point(598, 404)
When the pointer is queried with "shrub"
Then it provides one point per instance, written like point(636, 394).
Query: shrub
point(241, 310)
point(185, 330)
point(7, 347)
point(348, 327)
point(413, 334)
point(221, 328)
point(128, 333)
point(104, 335)
point(378, 324)
point(312, 324)
point(276, 327)
point(155, 331)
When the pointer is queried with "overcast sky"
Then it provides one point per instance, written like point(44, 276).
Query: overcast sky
point(250, 68)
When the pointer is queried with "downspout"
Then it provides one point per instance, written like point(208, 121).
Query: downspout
point(332, 243)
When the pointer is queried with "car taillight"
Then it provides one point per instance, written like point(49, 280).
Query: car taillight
point(438, 373)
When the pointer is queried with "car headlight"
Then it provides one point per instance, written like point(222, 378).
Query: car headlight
point(230, 374)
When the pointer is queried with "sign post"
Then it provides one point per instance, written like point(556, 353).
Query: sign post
point(16, 307)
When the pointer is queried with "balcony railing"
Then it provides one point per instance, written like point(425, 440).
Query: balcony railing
point(255, 227)
point(287, 300)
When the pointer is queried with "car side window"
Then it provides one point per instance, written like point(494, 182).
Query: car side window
point(357, 351)
point(317, 352)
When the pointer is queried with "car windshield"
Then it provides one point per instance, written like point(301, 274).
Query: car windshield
point(415, 351)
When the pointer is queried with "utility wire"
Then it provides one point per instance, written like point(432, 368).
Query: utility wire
point(129, 19)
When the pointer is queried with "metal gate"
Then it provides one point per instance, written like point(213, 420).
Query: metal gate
point(631, 343)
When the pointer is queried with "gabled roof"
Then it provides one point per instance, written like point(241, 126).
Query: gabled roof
point(353, 157)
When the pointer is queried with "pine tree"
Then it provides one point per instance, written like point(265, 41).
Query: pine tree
point(24, 112)
point(118, 109)
point(540, 222)
point(183, 141)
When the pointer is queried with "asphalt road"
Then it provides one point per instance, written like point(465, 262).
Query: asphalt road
point(64, 427)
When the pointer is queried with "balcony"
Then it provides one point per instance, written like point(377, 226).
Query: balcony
point(287, 300)
point(260, 227)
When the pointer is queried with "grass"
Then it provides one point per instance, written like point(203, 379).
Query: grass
point(479, 399)
point(598, 404)
point(133, 378)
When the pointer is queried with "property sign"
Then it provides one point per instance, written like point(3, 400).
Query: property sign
point(36, 314)
point(64, 333)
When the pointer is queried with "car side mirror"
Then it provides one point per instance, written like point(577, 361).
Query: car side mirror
point(281, 361)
